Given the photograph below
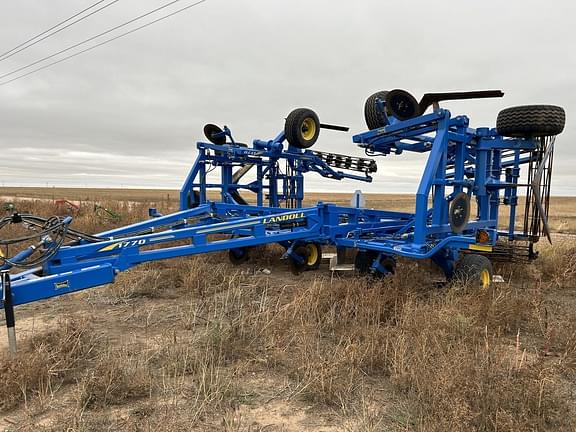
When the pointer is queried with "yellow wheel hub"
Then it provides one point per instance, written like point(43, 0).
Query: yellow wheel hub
point(308, 129)
point(485, 279)
point(312, 254)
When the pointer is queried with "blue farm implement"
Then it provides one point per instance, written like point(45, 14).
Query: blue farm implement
point(261, 189)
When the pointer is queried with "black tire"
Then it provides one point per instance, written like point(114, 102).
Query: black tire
point(314, 256)
point(298, 267)
point(474, 270)
point(363, 260)
point(402, 105)
point(302, 128)
point(531, 121)
point(375, 119)
point(238, 256)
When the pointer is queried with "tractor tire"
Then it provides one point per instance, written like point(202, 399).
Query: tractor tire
point(374, 118)
point(302, 128)
point(474, 270)
point(531, 121)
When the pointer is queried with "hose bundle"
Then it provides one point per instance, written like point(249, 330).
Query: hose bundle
point(49, 234)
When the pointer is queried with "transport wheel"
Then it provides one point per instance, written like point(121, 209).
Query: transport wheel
point(374, 117)
point(302, 128)
point(298, 267)
point(474, 270)
point(531, 121)
point(238, 256)
point(402, 105)
point(314, 256)
point(364, 260)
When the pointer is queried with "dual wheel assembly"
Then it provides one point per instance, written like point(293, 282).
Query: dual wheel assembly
point(471, 270)
point(518, 122)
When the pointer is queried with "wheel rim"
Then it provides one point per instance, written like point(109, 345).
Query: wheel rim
point(308, 129)
point(312, 254)
point(485, 279)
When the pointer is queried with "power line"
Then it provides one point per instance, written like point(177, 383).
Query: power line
point(51, 28)
point(164, 6)
point(103, 43)
point(24, 45)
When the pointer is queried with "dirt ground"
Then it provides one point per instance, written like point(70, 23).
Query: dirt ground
point(199, 344)
point(268, 399)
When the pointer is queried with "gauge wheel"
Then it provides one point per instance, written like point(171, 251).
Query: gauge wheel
point(314, 256)
point(302, 128)
point(474, 270)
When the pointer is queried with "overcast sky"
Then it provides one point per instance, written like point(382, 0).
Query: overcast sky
point(128, 114)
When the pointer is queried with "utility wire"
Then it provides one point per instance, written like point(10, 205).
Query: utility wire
point(71, 47)
point(105, 42)
point(24, 45)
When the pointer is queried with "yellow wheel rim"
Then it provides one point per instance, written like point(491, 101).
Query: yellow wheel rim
point(312, 254)
point(308, 129)
point(485, 279)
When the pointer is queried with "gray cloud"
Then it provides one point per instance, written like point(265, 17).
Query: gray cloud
point(129, 113)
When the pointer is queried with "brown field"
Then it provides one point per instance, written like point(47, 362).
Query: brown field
point(196, 344)
point(562, 209)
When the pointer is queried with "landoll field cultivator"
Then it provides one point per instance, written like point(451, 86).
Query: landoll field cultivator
point(463, 165)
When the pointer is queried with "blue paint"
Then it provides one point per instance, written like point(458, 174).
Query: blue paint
point(460, 159)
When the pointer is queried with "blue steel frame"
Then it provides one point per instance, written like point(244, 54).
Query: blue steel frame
point(460, 159)
point(272, 186)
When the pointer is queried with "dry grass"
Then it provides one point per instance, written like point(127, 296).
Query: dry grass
point(454, 355)
point(186, 345)
point(116, 375)
point(45, 362)
point(558, 262)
